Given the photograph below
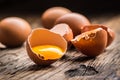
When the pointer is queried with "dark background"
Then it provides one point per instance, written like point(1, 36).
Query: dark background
point(38, 6)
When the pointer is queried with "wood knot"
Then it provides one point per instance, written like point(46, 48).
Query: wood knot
point(82, 70)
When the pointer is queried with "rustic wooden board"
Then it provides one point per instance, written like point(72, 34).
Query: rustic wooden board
point(16, 65)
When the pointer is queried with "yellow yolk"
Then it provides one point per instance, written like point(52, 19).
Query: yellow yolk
point(48, 51)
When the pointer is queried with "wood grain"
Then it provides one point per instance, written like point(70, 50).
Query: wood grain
point(16, 65)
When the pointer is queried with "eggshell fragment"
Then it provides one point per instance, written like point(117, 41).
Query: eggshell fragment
point(110, 32)
point(50, 15)
point(14, 31)
point(64, 30)
point(91, 43)
point(75, 21)
point(41, 36)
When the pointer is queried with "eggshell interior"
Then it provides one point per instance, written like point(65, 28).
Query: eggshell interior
point(64, 30)
point(41, 36)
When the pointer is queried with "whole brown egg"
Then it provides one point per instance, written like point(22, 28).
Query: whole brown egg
point(76, 22)
point(50, 15)
point(14, 31)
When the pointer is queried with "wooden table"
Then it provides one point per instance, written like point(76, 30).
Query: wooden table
point(16, 65)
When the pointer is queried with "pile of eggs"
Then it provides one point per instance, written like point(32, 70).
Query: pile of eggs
point(62, 28)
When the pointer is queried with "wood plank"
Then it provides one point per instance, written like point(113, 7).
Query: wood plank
point(16, 65)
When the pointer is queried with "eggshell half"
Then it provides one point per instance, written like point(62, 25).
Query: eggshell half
point(64, 30)
point(41, 36)
point(110, 32)
point(91, 43)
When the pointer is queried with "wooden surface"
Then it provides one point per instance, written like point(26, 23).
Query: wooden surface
point(16, 65)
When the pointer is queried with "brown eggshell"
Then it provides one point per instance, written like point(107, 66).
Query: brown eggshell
point(75, 21)
point(50, 15)
point(91, 43)
point(14, 31)
point(110, 32)
point(64, 30)
point(111, 36)
point(41, 36)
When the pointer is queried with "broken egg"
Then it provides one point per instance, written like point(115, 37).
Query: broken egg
point(110, 32)
point(75, 21)
point(91, 43)
point(64, 30)
point(50, 15)
point(14, 31)
point(45, 47)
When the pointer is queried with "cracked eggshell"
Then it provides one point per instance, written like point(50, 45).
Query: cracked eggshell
point(75, 21)
point(64, 30)
point(110, 32)
point(41, 36)
point(49, 17)
point(14, 31)
point(91, 43)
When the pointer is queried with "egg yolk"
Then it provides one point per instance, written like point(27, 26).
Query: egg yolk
point(48, 51)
